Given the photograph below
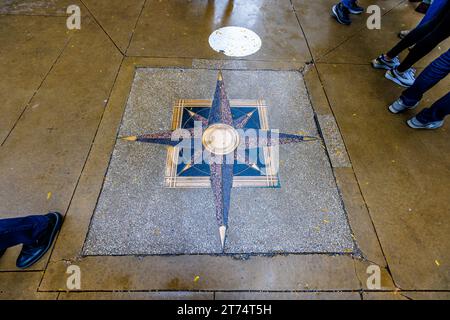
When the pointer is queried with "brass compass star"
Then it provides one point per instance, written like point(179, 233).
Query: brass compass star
point(220, 138)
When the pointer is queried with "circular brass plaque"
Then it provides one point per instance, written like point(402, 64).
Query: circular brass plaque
point(220, 139)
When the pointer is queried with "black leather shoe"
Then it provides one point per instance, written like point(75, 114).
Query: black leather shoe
point(422, 7)
point(2, 252)
point(30, 254)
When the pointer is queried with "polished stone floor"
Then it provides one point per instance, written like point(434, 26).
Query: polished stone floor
point(64, 95)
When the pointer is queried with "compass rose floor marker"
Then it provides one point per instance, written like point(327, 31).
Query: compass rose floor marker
point(221, 138)
point(147, 209)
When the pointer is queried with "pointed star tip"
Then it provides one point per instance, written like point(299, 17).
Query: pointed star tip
point(222, 231)
point(130, 138)
point(219, 76)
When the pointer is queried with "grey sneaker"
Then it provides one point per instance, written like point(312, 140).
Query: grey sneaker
point(405, 79)
point(416, 124)
point(382, 63)
point(398, 106)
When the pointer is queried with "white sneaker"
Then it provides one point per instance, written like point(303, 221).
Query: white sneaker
point(405, 79)
point(416, 124)
point(398, 106)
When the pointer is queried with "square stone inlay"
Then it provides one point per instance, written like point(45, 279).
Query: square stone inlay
point(137, 214)
point(263, 174)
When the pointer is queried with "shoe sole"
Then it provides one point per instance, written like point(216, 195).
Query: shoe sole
point(411, 125)
point(336, 16)
point(355, 12)
point(392, 110)
point(394, 79)
point(377, 65)
point(52, 238)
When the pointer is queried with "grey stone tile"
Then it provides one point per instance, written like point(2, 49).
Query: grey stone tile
point(304, 215)
point(333, 141)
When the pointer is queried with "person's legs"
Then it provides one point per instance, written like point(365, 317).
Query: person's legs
point(348, 3)
point(352, 6)
point(341, 13)
point(31, 253)
point(342, 10)
point(403, 74)
point(428, 43)
point(437, 112)
point(389, 60)
point(430, 76)
point(433, 11)
point(423, 6)
point(412, 38)
point(25, 230)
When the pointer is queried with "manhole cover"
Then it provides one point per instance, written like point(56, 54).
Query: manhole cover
point(235, 41)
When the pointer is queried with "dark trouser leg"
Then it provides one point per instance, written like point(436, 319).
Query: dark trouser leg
point(433, 11)
point(436, 71)
point(437, 112)
point(413, 37)
point(424, 46)
point(25, 230)
point(347, 3)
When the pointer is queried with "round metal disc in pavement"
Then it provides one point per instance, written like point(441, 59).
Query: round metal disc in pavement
point(235, 41)
point(220, 139)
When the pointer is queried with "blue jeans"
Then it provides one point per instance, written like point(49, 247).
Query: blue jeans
point(433, 11)
point(348, 3)
point(27, 230)
point(430, 76)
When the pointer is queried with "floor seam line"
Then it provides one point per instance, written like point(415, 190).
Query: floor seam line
point(83, 167)
point(135, 25)
point(352, 167)
point(36, 91)
point(32, 15)
point(355, 34)
point(357, 276)
point(302, 30)
point(101, 27)
point(355, 244)
point(208, 59)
